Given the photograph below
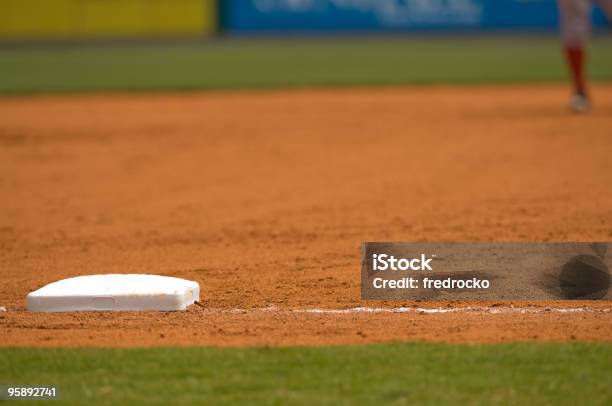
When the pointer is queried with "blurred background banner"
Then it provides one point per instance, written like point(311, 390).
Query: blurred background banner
point(261, 16)
point(85, 19)
point(24, 20)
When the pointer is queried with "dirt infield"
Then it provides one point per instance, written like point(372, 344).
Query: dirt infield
point(265, 197)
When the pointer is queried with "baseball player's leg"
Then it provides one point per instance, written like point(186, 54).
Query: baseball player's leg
point(575, 27)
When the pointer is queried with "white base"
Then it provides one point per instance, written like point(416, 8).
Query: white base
point(115, 292)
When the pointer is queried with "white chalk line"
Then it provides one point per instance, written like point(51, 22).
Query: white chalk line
point(424, 310)
point(410, 310)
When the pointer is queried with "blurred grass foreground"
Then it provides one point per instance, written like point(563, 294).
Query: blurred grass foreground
point(417, 373)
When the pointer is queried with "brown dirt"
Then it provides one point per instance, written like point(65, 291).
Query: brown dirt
point(265, 197)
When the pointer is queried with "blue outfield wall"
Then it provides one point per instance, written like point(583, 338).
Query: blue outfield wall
point(304, 16)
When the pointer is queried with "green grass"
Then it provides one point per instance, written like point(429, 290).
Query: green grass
point(295, 62)
point(417, 373)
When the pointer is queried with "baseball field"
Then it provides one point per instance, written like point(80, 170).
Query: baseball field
point(257, 168)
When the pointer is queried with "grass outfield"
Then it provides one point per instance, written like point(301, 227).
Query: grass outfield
point(519, 373)
point(298, 62)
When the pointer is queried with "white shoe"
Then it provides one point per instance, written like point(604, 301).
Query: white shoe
point(580, 103)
